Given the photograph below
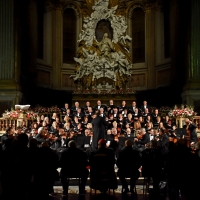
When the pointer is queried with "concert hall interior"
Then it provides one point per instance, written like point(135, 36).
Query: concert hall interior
point(111, 76)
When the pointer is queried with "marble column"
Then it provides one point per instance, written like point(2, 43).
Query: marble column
point(150, 45)
point(191, 90)
point(9, 63)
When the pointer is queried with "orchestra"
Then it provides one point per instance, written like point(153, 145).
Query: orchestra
point(152, 135)
point(141, 125)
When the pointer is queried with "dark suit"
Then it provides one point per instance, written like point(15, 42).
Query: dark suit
point(193, 134)
point(80, 141)
point(115, 115)
point(73, 164)
point(163, 144)
point(143, 108)
point(122, 108)
point(74, 110)
point(136, 116)
point(128, 163)
point(89, 115)
point(40, 139)
point(56, 144)
point(80, 116)
point(142, 142)
point(4, 137)
point(132, 110)
point(98, 107)
point(154, 117)
point(69, 115)
point(103, 115)
point(111, 109)
point(145, 139)
point(103, 159)
point(108, 152)
point(46, 173)
point(99, 125)
point(85, 109)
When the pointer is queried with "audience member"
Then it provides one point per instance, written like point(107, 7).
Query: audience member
point(73, 163)
point(128, 162)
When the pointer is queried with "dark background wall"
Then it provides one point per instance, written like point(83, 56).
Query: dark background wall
point(166, 96)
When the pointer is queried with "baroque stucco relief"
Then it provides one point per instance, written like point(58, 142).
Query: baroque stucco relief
point(105, 56)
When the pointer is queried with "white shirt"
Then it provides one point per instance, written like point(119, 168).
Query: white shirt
point(62, 142)
point(151, 137)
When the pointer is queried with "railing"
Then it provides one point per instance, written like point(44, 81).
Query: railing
point(5, 123)
point(197, 122)
point(181, 120)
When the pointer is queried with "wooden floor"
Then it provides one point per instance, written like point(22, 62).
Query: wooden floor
point(73, 194)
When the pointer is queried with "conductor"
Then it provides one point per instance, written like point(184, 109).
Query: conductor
point(99, 124)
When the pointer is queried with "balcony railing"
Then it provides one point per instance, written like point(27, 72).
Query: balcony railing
point(5, 123)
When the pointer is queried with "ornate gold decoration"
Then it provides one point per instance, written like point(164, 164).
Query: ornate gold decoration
point(89, 4)
point(121, 10)
point(113, 3)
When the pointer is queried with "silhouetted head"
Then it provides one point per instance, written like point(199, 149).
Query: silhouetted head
point(128, 143)
point(23, 138)
point(72, 144)
point(33, 143)
point(102, 143)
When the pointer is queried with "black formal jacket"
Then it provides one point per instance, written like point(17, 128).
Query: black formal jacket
point(145, 139)
point(4, 137)
point(193, 134)
point(143, 109)
point(163, 144)
point(154, 117)
point(99, 124)
point(108, 152)
point(122, 108)
point(128, 161)
point(130, 110)
point(96, 107)
point(103, 159)
point(73, 161)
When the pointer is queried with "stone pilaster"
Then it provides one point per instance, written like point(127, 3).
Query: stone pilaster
point(191, 90)
point(7, 39)
point(150, 45)
point(57, 46)
point(194, 61)
point(9, 65)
